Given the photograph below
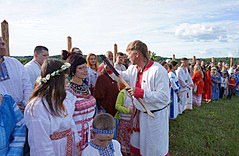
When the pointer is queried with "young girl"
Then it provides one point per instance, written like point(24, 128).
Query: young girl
point(49, 113)
point(231, 86)
point(103, 143)
point(124, 105)
point(199, 84)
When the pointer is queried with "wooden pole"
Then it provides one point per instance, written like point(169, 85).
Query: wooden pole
point(173, 57)
point(5, 36)
point(230, 61)
point(194, 59)
point(212, 61)
point(69, 43)
point(115, 52)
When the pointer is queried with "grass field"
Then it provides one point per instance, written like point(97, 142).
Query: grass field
point(212, 129)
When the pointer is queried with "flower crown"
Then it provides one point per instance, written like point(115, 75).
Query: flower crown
point(57, 72)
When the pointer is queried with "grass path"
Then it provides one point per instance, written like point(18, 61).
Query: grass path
point(212, 129)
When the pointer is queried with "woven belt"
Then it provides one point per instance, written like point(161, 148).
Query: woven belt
point(62, 134)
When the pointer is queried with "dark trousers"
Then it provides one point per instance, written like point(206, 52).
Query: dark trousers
point(230, 91)
point(222, 89)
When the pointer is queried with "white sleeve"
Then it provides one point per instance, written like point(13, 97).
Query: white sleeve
point(26, 84)
point(161, 92)
point(180, 78)
point(38, 124)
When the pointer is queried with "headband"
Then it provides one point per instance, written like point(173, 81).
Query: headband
point(103, 131)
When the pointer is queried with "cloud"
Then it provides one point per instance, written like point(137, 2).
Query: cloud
point(201, 32)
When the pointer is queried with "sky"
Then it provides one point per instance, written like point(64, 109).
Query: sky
point(186, 28)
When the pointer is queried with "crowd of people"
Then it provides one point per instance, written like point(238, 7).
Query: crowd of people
point(75, 106)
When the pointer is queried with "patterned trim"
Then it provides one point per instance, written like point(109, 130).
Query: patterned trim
point(80, 91)
point(62, 134)
point(108, 151)
point(103, 131)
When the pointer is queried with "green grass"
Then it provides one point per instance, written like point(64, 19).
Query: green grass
point(212, 129)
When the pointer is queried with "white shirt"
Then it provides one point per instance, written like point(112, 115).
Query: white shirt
point(91, 151)
point(18, 86)
point(33, 68)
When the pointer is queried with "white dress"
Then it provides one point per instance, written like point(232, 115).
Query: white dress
point(155, 83)
point(91, 151)
point(185, 81)
point(33, 69)
point(41, 124)
point(18, 86)
point(174, 97)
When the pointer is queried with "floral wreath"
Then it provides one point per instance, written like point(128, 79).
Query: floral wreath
point(57, 72)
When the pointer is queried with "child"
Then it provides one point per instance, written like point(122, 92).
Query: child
point(124, 105)
point(103, 132)
point(224, 82)
point(231, 86)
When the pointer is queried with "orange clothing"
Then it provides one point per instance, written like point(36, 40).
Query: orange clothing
point(198, 81)
point(232, 82)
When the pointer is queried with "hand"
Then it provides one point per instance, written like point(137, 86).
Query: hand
point(130, 90)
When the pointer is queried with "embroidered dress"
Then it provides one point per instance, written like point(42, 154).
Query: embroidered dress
point(112, 149)
point(174, 85)
point(84, 112)
point(185, 82)
point(42, 127)
point(12, 128)
point(123, 105)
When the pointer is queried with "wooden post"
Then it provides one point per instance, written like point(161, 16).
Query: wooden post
point(69, 43)
point(173, 57)
point(212, 62)
point(5, 36)
point(115, 52)
point(194, 59)
point(230, 61)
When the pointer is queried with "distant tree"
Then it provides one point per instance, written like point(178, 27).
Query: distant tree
point(153, 56)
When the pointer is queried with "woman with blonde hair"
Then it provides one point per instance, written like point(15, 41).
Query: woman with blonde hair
point(198, 85)
point(92, 63)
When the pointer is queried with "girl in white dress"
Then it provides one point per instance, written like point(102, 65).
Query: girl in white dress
point(49, 113)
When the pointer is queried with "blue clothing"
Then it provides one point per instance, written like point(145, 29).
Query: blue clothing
point(215, 87)
point(12, 128)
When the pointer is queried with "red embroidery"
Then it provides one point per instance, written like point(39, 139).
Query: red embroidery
point(69, 144)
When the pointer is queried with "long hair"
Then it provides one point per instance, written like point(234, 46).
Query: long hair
point(95, 67)
point(53, 91)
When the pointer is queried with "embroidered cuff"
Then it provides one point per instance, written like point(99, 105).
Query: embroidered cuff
point(139, 93)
